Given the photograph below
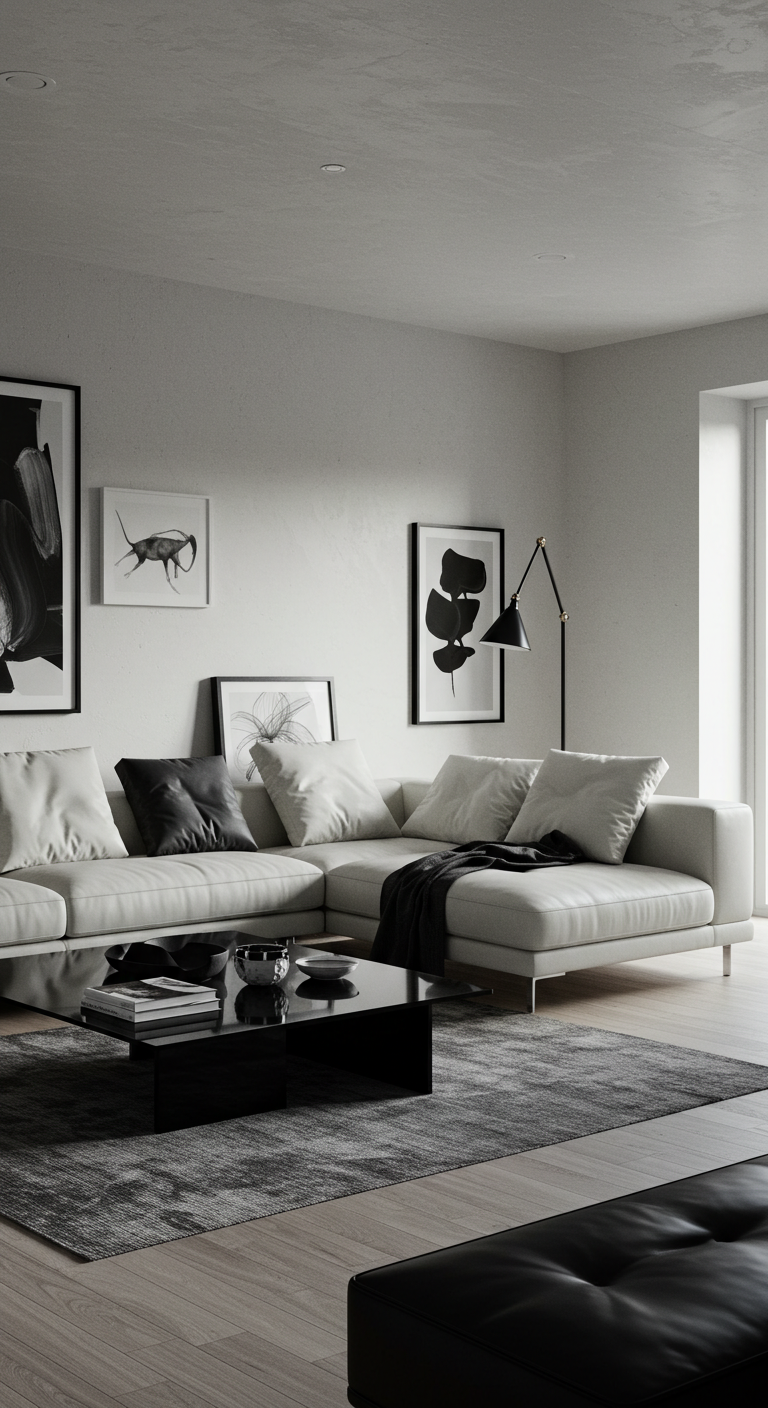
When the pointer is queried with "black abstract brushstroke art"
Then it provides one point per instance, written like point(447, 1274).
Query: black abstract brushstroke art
point(160, 547)
point(451, 618)
point(31, 577)
point(271, 720)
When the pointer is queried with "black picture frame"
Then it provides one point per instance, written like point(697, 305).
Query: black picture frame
point(39, 546)
point(280, 715)
point(472, 691)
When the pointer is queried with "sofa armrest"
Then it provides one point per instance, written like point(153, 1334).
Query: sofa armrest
point(710, 840)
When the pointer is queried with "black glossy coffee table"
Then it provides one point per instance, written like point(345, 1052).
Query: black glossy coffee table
point(377, 1023)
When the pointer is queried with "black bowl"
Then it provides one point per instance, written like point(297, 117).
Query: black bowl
point(326, 990)
point(195, 962)
point(261, 1006)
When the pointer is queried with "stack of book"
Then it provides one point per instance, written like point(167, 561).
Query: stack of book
point(151, 1005)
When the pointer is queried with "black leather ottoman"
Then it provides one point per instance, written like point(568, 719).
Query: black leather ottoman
point(657, 1298)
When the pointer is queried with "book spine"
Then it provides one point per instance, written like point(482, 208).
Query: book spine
point(153, 1014)
point(117, 1025)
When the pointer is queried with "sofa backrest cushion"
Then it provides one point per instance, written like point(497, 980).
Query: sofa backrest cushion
point(125, 822)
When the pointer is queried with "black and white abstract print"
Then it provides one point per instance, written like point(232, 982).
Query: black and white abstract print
point(451, 617)
point(38, 548)
point(457, 593)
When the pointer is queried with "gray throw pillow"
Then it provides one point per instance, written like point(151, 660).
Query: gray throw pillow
point(595, 799)
point(323, 792)
point(472, 799)
point(53, 808)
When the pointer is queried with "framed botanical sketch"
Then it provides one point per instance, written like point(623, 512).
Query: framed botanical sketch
point(258, 709)
point(39, 548)
point(155, 548)
point(457, 591)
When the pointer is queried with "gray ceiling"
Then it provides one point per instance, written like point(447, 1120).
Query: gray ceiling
point(185, 138)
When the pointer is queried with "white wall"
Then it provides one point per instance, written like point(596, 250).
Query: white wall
point(632, 504)
point(722, 597)
point(319, 437)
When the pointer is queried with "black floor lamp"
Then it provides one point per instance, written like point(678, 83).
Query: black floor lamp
point(508, 630)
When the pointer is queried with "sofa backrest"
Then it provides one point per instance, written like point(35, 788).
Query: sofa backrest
point(400, 795)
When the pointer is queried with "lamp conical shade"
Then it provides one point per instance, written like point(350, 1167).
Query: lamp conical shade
point(508, 630)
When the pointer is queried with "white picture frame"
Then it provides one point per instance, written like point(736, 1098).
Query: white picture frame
point(287, 709)
point(155, 548)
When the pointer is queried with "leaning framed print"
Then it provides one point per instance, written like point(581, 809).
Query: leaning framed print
point(250, 709)
point(39, 547)
point(457, 591)
point(155, 548)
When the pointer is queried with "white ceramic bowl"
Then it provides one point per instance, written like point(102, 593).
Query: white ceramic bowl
point(332, 967)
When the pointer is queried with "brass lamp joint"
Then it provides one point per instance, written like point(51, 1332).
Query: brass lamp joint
point(564, 616)
point(541, 542)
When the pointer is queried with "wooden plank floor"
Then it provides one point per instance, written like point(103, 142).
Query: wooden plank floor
point(254, 1314)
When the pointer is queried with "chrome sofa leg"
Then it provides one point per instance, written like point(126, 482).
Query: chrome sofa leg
point(726, 960)
point(530, 1000)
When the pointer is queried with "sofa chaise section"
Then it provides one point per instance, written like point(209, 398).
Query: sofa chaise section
point(686, 884)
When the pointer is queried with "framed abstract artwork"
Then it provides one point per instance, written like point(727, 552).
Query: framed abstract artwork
point(457, 591)
point(39, 548)
point(258, 709)
point(155, 548)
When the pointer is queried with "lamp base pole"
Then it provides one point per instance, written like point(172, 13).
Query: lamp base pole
point(562, 684)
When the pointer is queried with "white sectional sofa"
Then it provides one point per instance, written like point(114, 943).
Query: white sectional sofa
point(686, 883)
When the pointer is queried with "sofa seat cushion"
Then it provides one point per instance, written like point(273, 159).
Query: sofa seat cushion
point(146, 892)
point(29, 913)
point(578, 904)
point(538, 909)
point(360, 857)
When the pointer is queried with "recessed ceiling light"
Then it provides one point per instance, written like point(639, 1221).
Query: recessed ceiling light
point(552, 258)
point(333, 167)
point(26, 82)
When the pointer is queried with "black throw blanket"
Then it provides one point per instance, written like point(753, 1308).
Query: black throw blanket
point(411, 932)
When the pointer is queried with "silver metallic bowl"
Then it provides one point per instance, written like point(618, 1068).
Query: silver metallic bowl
point(261, 963)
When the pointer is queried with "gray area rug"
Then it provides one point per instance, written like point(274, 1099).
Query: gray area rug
point(80, 1165)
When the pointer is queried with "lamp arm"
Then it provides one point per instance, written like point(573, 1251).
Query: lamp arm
point(552, 579)
point(539, 545)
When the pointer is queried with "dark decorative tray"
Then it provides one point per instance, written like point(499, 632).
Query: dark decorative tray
point(194, 961)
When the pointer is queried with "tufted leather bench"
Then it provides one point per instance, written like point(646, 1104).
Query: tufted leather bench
point(660, 1298)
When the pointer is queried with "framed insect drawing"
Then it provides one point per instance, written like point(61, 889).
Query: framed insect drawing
point(39, 548)
point(156, 548)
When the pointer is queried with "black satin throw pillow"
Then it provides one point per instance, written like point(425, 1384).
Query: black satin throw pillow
point(184, 805)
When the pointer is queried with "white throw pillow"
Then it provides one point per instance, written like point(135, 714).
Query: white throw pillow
point(323, 792)
point(53, 807)
point(472, 799)
point(593, 799)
